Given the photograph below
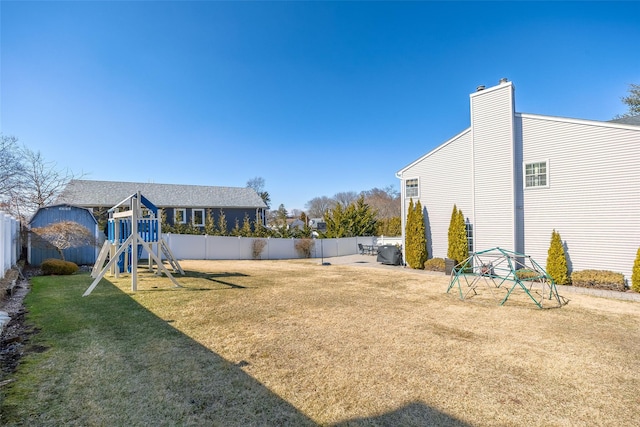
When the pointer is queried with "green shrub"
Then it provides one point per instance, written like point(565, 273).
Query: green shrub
point(458, 245)
point(304, 247)
point(635, 276)
point(58, 267)
point(434, 264)
point(415, 236)
point(557, 261)
point(528, 274)
point(598, 279)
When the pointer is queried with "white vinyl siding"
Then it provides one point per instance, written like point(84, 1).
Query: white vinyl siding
point(594, 202)
point(492, 122)
point(445, 176)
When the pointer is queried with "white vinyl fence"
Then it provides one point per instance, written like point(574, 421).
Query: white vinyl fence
point(9, 242)
point(185, 246)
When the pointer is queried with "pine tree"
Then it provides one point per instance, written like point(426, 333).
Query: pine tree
point(334, 218)
point(557, 261)
point(235, 232)
point(209, 224)
point(635, 275)
point(222, 223)
point(245, 231)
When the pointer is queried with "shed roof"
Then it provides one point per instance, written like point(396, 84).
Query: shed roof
point(108, 193)
point(60, 209)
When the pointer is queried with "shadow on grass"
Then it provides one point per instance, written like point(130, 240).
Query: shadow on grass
point(216, 277)
point(415, 414)
point(113, 362)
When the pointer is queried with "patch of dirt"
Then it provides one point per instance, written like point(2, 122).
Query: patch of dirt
point(14, 340)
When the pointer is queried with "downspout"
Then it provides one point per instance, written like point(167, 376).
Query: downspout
point(402, 216)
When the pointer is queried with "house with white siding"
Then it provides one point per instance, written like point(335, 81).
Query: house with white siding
point(517, 177)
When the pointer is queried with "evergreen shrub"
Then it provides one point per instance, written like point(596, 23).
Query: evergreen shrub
point(557, 261)
point(635, 275)
point(528, 274)
point(415, 236)
point(434, 264)
point(58, 267)
point(458, 244)
point(598, 279)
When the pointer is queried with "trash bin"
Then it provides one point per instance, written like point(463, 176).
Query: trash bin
point(449, 265)
point(390, 255)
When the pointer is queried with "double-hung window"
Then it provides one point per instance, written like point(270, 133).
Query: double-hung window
point(411, 189)
point(536, 174)
point(198, 217)
point(179, 216)
point(469, 230)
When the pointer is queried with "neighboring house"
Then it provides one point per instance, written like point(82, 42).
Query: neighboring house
point(38, 250)
point(181, 203)
point(517, 177)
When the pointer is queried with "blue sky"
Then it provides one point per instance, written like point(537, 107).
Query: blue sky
point(315, 97)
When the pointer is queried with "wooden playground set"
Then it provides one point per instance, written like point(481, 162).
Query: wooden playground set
point(133, 225)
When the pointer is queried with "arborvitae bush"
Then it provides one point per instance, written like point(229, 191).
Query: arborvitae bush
point(58, 267)
point(635, 275)
point(557, 261)
point(434, 264)
point(458, 248)
point(415, 237)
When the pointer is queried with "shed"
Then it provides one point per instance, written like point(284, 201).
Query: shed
point(85, 255)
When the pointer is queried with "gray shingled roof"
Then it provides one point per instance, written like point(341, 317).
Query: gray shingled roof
point(631, 120)
point(109, 193)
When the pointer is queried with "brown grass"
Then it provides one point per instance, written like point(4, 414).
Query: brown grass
point(364, 346)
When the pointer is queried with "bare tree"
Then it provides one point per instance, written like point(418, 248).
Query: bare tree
point(41, 183)
point(385, 201)
point(317, 206)
point(257, 184)
point(64, 235)
point(11, 167)
point(345, 198)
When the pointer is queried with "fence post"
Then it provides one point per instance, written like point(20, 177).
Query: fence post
point(3, 237)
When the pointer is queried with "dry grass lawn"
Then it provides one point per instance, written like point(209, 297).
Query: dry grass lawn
point(351, 345)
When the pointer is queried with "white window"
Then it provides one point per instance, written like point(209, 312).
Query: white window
point(536, 174)
point(469, 228)
point(198, 217)
point(179, 216)
point(411, 188)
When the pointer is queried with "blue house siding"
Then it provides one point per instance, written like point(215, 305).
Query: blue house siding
point(231, 215)
point(39, 251)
